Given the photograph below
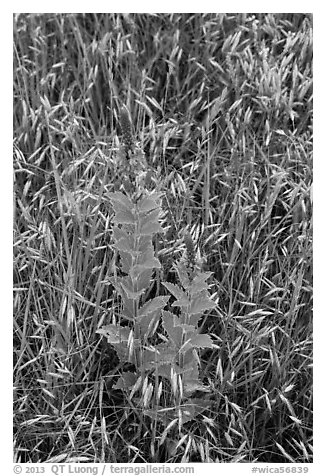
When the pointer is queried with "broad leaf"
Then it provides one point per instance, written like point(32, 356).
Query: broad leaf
point(134, 295)
point(150, 227)
point(119, 233)
point(147, 204)
point(201, 277)
point(124, 216)
point(183, 274)
point(191, 386)
point(115, 333)
point(153, 305)
point(124, 246)
point(193, 319)
point(126, 261)
point(183, 303)
point(144, 244)
point(148, 324)
point(173, 330)
point(124, 354)
point(190, 320)
point(197, 287)
point(119, 197)
point(190, 370)
point(187, 328)
point(128, 307)
point(132, 286)
point(200, 304)
point(174, 289)
point(127, 380)
point(137, 269)
point(202, 341)
point(155, 358)
point(144, 279)
point(164, 370)
point(151, 217)
point(118, 337)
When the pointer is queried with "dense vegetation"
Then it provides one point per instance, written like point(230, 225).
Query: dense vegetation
point(221, 106)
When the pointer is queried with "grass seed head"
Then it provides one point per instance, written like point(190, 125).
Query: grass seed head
point(190, 256)
point(126, 130)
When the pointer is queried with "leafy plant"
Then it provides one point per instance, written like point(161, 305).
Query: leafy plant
point(175, 358)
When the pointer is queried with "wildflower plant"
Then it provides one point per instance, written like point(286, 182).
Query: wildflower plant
point(162, 346)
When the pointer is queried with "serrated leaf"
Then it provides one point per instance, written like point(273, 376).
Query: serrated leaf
point(166, 357)
point(147, 259)
point(190, 361)
point(130, 291)
point(118, 233)
point(124, 217)
point(182, 303)
point(126, 261)
point(164, 370)
point(186, 346)
point(147, 204)
point(149, 228)
point(197, 288)
point(201, 277)
point(125, 246)
point(145, 245)
point(146, 252)
point(148, 324)
point(123, 353)
point(115, 333)
point(150, 263)
point(132, 286)
point(150, 217)
point(201, 304)
point(175, 290)
point(187, 328)
point(202, 341)
point(193, 319)
point(144, 279)
point(191, 386)
point(183, 274)
point(173, 331)
point(156, 358)
point(153, 305)
point(175, 319)
point(119, 197)
point(134, 295)
point(118, 337)
point(127, 380)
point(128, 310)
point(190, 370)
point(199, 284)
point(156, 196)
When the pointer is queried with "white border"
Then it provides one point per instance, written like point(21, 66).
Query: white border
point(319, 196)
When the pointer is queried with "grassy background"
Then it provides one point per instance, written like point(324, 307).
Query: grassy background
point(222, 104)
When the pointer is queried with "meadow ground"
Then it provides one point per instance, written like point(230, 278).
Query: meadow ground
point(221, 105)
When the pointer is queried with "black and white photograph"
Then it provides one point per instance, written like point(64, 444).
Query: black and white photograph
point(162, 239)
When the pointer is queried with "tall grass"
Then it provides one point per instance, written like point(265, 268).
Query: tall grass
point(221, 105)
